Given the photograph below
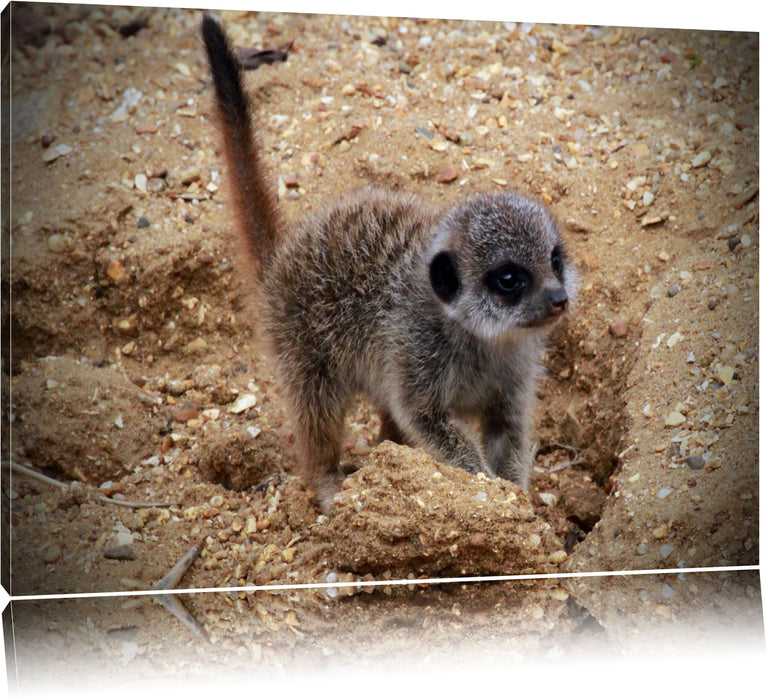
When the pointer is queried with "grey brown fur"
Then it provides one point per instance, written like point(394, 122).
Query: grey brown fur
point(439, 317)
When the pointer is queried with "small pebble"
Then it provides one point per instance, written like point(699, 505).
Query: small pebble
point(695, 462)
point(123, 552)
point(196, 346)
point(674, 419)
point(725, 374)
point(618, 328)
point(185, 414)
point(51, 554)
point(673, 290)
point(123, 634)
point(674, 339)
point(58, 243)
point(651, 220)
point(51, 154)
point(146, 128)
point(123, 538)
point(665, 550)
point(557, 557)
point(449, 174)
point(243, 403)
point(115, 271)
point(142, 222)
point(155, 184)
point(703, 158)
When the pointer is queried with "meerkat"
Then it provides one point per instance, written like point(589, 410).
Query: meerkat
point(439, 317)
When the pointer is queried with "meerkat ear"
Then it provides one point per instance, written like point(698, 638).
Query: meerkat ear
point(444, 276)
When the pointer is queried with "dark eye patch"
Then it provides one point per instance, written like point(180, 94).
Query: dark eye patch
point(444, 277)
point(508, 280)
point(556, 260)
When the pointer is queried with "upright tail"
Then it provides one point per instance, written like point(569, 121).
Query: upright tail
point(256, 203)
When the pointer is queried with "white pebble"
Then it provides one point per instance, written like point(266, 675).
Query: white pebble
point(123, 538)
point(243, 403)
point(58, 243)
point(701, 159)
point(674, 339)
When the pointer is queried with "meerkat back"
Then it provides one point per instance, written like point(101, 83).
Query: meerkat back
point(437, 316)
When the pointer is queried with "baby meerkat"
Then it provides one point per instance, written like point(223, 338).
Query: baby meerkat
point(438, 317)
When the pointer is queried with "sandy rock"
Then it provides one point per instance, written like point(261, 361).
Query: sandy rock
point(404, 511)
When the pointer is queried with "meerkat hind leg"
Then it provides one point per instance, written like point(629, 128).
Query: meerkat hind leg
point(319, 434)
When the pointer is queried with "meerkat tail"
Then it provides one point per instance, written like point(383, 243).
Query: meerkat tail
point(250, 182)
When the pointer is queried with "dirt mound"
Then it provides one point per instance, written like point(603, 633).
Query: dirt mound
point(403, 512)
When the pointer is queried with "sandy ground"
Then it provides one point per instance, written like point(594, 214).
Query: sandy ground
point(131, 372)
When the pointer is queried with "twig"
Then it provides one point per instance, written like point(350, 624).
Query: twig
point(174, 575)
point(563, 465)
point(170, 580)
point(31, 473)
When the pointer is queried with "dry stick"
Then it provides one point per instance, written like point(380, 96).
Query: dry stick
point(170, 580)
point(25, 471)
point(563, 465)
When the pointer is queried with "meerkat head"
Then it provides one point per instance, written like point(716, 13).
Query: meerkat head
point(498, 265)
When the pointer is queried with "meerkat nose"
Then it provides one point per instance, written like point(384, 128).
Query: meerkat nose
point(558, 300)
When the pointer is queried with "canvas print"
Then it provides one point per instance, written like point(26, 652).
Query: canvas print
point(399, 326)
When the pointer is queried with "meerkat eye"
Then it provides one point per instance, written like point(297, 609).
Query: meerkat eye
point(509, 280)
point(556, 260)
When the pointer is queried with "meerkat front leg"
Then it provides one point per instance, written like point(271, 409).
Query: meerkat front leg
point(448, 440)
point(506, 437)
